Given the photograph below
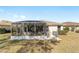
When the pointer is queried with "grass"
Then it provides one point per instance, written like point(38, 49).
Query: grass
point(35, 46)
point(28, 46)
point(4, 36)
point(69, 43)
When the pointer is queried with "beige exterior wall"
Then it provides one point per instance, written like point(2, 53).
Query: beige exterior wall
point(76, 28)
point(61, 28)
point(52, 29)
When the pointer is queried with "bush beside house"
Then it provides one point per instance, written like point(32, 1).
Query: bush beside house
point(5, 26)
point(77, 31)
point(64, 31)
point(3, 30)
point(72, 29)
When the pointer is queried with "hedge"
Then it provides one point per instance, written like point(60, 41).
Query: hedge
point(77, 31)
point(62, 32)
point(3, 30)
point(66, 29)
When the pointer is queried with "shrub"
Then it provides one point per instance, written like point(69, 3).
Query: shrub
point(62, 32)
point(72, 29)
point(77, 31)
point(66, 29)
point(3, 30)
point(8, 31)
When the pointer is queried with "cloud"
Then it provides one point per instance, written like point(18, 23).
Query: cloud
point(17, 17)
point(22, 17)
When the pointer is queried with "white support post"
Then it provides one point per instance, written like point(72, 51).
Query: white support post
point(11, 30)
point(35, 28)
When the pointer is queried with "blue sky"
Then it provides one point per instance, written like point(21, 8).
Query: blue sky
point(50, 13)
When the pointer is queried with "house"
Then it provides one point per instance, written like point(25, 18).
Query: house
point(73, 26)
point(35, 30)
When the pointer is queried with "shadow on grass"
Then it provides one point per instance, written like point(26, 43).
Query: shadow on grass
point(40, 46)
point(14, 41)
point(3, 43)
point(22, 50)
point(54, 42)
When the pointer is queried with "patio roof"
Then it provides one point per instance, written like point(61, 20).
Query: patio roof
point(49, 23)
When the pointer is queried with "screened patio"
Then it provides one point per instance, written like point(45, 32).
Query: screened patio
point(29, 28)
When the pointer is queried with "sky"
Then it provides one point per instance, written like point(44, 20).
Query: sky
point(48, 13)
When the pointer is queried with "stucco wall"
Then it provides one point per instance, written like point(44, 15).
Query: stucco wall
point(61, 28)
point(76, 28)
point(52, 29)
